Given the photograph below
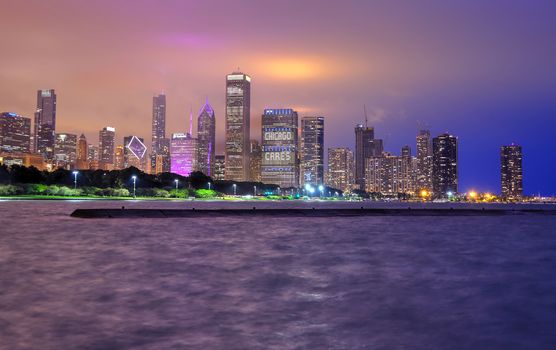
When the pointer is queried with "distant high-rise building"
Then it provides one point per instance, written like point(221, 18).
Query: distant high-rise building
point(82, 162)
point(389, 174)
point(255, 160)
point(219, 167)
point(238, 126)
point(65, 150)
point(45, 123)
point(312, 150)
point(511, 159)
point(206, 139)
point(340, 169)
point(280, 165)
point(106, 143)
point(135, 153)
point(158, 127)
point(15, 133)
point(445, 165)
point(162, 161)
point(119, 162)
point(183, 154)
point(423, 172)
point(93, 154)
point(365, 146)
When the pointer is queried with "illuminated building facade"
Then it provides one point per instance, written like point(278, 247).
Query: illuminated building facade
point(106, 144)
point(280, 165)
point(119, 162)
point(365, 146)
point(312, 151)
point(238, 126)
point(15, 133)
point(389, 174)
point(423, 171)
point(135, 153)
point(82, 161)
point(158, 130)
point(45, 123)
point(445, 165)
point(511, 162)
point(65, 151)
point(206, 139)
point(219, 167)
point(255, 159)
point(340, 169)
point(183, 154)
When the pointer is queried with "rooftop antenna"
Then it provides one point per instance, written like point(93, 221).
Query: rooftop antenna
point(366, 119)
point(191, 122)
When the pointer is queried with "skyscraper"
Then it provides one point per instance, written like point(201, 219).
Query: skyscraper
point(158, 127)
point(312, 150)
point(15, 133)
point(65, 150)
point(445, 165)
point(183, 153)
point(219, 167)
point(206, 139)
point(106, 141)
point(45, 123)
point(119, 162)
point(511, 159)
point(82, 162)
point(389, 174)
point(365, 146)
point(340, 169)
point(238, 115)
point(135, 153)
point(255, 160)
point(279, 163)
point(423, 172)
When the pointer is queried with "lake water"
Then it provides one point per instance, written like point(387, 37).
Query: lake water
point(273, 283)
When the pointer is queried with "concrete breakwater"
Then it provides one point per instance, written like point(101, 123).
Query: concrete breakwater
point(302, 212)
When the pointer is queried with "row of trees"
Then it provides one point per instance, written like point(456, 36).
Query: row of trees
point(18, 179)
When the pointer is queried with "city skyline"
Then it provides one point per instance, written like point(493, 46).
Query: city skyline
point(486, 94)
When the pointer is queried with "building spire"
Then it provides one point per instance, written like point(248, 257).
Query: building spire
point(191, 122)
point(366, 119)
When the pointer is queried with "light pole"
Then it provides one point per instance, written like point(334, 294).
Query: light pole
point(209, 186)
point(321, 189)
point(134, 180)
point(75, 179)
point(235, 189)
point(254, 191)
point(176, 181)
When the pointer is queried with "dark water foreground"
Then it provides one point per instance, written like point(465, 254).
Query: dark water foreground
point(370, 282)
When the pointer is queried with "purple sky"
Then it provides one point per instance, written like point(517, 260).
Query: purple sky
point(482, 70)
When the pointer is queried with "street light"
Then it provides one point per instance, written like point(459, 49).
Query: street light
point(176, 181)
point(209, 185)
point(321, 189)
point(134, 180)
point(254, 191)
point(235, 189)
point(75, 179)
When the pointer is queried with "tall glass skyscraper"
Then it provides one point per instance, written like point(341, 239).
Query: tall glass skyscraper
point(312, 150)
point(238, 115)
point(445, 165)
point(206, 140)
point(279, 163)
point(424, 161)
point(158, 129)
point(65, 150)
point(45, 123)
point(106, 144)
point(365, 146)
point(511, 159)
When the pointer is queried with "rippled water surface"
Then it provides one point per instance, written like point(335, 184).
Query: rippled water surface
point(273, 283)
